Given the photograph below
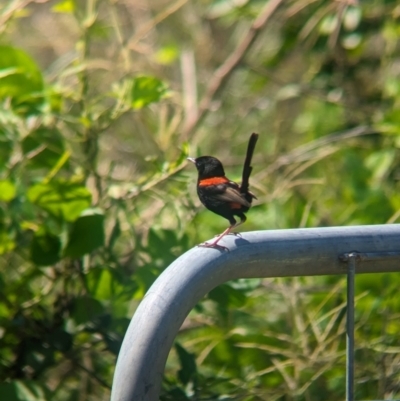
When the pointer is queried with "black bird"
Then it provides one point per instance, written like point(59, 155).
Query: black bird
point(222, 196)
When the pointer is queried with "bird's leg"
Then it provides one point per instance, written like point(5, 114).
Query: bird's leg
point(226, 232)
point(215, 242)
point(237, 224)
point(242, 220)
point(234, 224)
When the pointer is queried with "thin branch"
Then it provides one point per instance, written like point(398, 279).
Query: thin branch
point(148, 26)
point(222, 74)
point(151, 184)
point(189, 87)
point(302, 153)
point(93, 375)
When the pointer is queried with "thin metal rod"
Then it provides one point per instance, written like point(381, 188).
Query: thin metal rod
point(351, 269)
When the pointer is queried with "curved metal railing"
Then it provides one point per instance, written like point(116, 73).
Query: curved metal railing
point(275, 253)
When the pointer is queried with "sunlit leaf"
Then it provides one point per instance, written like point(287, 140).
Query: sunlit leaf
point(7, 243)
point(352, 18)
point(185, 147)
point(100, 282)
point(351, 41)
point(27, 390)
point(146, 90)
point(380, 162)
point(7, 190)
point(245, 284)
point(64, 6)
point(63, 199)
point(19, 74)
point(167, 55)
point(328, 24)
point(105, 284)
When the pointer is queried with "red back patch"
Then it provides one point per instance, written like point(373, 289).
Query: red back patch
point(212, 181)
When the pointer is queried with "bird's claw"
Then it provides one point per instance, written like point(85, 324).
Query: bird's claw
point(212, 245)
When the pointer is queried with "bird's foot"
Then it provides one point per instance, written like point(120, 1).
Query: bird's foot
point(213, 245)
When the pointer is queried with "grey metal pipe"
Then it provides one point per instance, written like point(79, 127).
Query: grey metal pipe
point(275, 253)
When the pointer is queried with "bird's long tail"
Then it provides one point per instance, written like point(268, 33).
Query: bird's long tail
point(244, 187)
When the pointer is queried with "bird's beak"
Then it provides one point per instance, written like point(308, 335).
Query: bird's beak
point(192, 159)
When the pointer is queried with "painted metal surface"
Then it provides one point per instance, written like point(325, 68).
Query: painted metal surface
point(274, 253)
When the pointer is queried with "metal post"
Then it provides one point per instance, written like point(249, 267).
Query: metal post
point(351, 268)
point(352, 258)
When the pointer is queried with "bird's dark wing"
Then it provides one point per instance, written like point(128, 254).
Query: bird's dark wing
point(230, 193)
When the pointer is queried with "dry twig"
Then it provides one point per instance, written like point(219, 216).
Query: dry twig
point(222, 74)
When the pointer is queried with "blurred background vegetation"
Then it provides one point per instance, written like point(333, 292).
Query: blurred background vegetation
point(101, 101)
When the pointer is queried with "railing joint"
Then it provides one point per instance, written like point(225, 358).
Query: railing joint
point(368, 256)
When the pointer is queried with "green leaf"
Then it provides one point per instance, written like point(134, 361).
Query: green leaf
point(380, 163)
point(185, 148)
point(167, 54)
point(6, 148)
point(145, 277)
point(115, 233)
point(146, 90)
point(225, 295)
point(45, 248)
point(86, 309)
point(188, 364)
point(60, 340)
point(245, 284)
point(19, 74)
point(352, 18)
point(63, 199)
point(7, 190)
point(161, 241)
point(7, 244)
point(65, 6)
point(165, 246)
point(87, 234)
point(26, 390)
point(47, 145)
point(103, 283)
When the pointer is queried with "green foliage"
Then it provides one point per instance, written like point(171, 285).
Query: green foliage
point(146, 90)
point(20, 76)
point(101, 103)
point(45, 248)
point(62, 199)
point(86, 235)
point(24, 390)
point(7, 190)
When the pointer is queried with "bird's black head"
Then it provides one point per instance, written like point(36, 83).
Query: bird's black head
point(208, 166)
